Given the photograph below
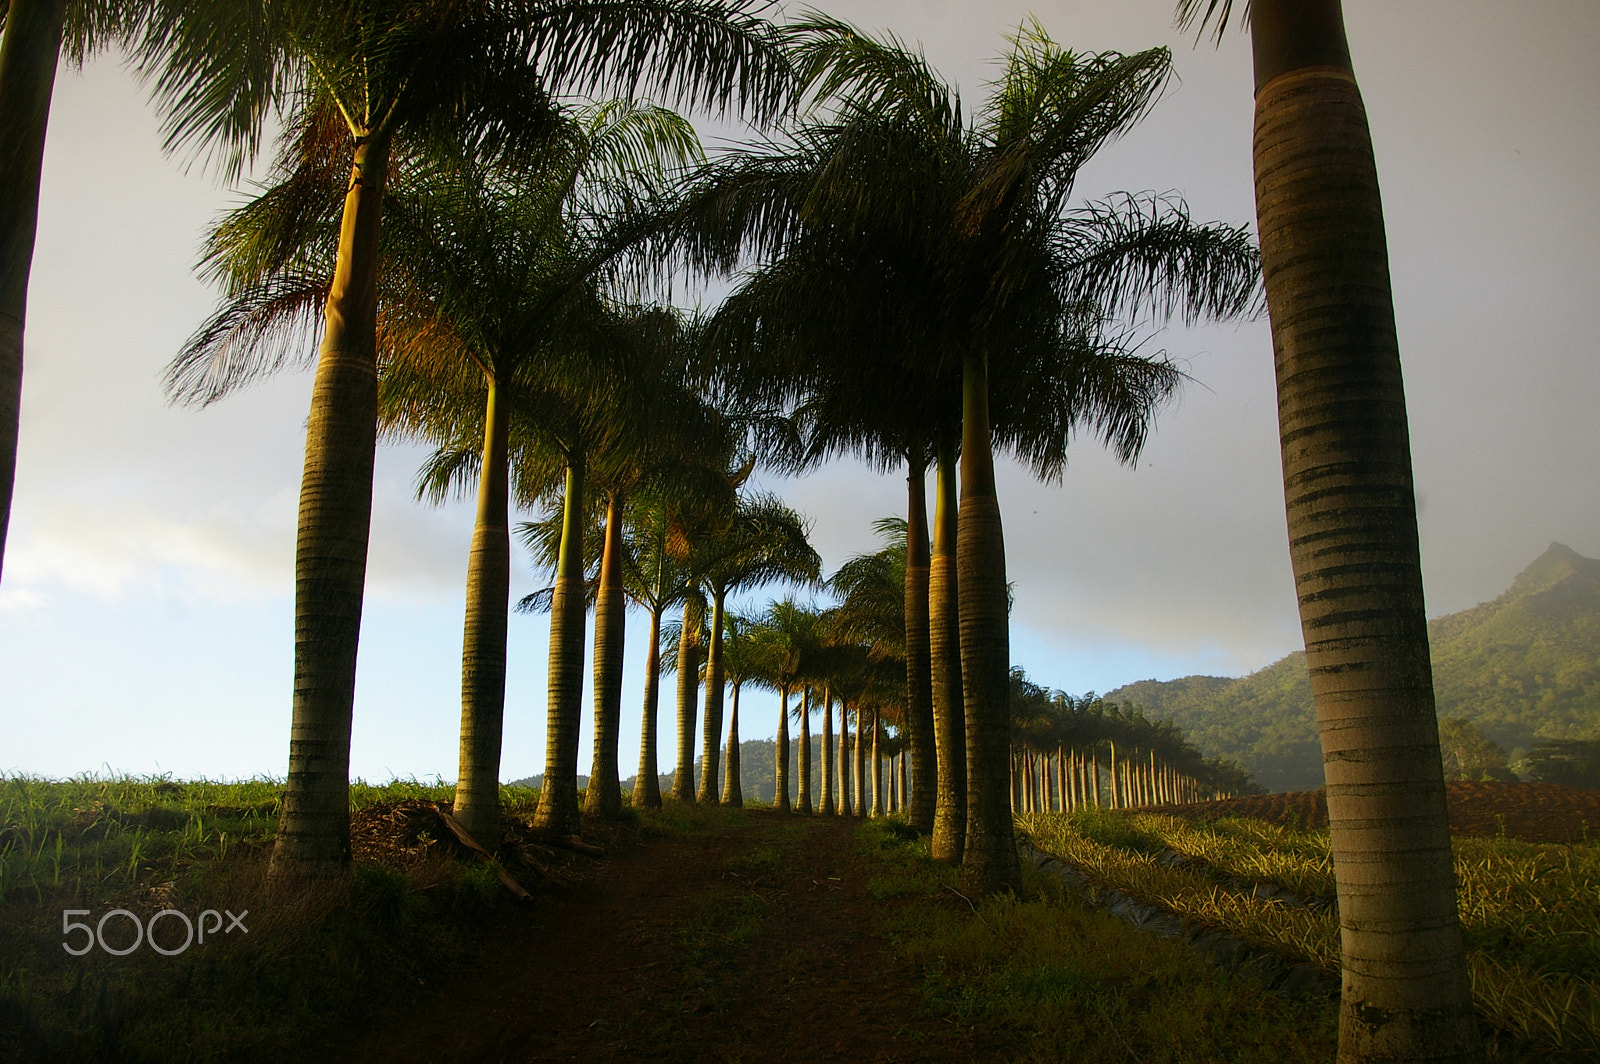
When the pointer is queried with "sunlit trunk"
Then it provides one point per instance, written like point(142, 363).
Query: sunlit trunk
point(688, 695)
point(647, 785)
point(558, 810)
point(780, 753)
point(844, 759)
point(827, 808)
point(803, 754)
point(331, 543)
point(604, 795)
point(732, 786)
point(483, 641)
point(1351, 511)
point(877, 769)
point(944, 640)
point(989, 855)
point(859, 751)
point(712, 741)
point(29, 52)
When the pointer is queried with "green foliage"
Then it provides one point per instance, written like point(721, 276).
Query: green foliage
point(1521, 669)
point(1469, 754)
point(1573, 762)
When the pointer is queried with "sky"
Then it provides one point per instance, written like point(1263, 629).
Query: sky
point(146, 610)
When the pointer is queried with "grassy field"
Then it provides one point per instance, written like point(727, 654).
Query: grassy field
point(1530, 912)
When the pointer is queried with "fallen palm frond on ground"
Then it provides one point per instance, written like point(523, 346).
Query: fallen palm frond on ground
point(1530, 911)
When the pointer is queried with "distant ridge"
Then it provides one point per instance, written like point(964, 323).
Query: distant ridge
point(1524, 666)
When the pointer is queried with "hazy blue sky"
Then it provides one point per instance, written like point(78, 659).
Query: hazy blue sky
point(145, 616)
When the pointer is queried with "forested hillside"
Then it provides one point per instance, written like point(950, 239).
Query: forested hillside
point(1523, 667)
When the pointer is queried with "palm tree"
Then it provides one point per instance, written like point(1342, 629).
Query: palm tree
point(738, 666)
point(1026, 282)
point(425, 78)
point(787, 635)
point(759, 541)
point(1351, 509)
point(488, 273)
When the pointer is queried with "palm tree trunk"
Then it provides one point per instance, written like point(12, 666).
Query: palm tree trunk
point(919, 727)
point(1353, 542)
point(558, 811)
point(647, 785)
point(732, 787)
point(688, 692)
point(949, 718)
point(877, 770)
point(1095, 776)
point(604, 795)
point(712, 739)
point(803, 754)
point(902, 776)
point(989, 855)
point(780, 754)
point(844, 758)
point(483, 641)
point(29, 53)
point(827, 808)
point(331, 543)
point(860, 752)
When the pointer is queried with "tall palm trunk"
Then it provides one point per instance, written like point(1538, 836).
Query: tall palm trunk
point(877, 770)
point(827, 808)
point(483, 641)
point(331, 543)
point(647, 785)
point(732, 786)
point(29, 53)
point(688, 693)
point(604, 795)
point(558, 811)
point(1353, 541)
point(712, 740)
point(802, 801)
point(844, 758)
point(949, 718)
point(989, 855)
point(919, 730)
point(780, 754)
point(860, 752)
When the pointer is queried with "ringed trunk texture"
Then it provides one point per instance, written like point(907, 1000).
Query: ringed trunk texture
point(558, 811)
point(732, 788)
point(944, 627)
point(919, 728)
point(712, 740)
point(1351, 512)
point(331, 543)
point(780, 753)
point(802, 801)
point(29, 53)
point(860, 751)
point(688, 693)
point(877, 770)
point(483, 640)
point(989, 856)
point(827, 808)
point(604, 794)
point(647, 785)
point(844, 758)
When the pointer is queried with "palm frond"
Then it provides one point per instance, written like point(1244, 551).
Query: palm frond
point(260, 330)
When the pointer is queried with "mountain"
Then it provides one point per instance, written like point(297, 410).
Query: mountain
point(1523, 667)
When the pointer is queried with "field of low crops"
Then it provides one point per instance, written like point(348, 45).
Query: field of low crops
point(1530, 911)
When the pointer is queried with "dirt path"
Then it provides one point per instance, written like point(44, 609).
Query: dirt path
point(755, 938)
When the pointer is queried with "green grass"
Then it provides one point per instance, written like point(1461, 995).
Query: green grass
point(1051, 979)
point(1530, 912)
point(150, 843)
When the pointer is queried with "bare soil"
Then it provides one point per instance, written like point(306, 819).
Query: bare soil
point(753, 938)
point(1533, 812)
